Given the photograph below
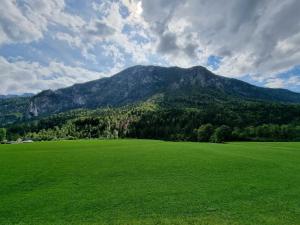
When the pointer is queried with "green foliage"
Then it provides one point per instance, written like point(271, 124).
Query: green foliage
point(221, 134)
point(186, 120)
point(12, 110)
point(169, 88)
point(188, 112)
point(204, 132)
point(269, 132)
point(2, 134)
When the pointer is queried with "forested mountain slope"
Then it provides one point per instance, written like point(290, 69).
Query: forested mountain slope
point(159, 103)
point(140, 83)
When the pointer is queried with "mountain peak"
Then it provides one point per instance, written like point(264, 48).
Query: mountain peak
point(140, 83)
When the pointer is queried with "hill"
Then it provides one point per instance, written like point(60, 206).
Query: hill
point(140, 83)
point(13, 109)
point(157, 103)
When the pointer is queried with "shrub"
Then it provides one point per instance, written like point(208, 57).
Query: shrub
point(221, 134)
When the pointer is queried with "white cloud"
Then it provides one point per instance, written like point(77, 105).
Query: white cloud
point(108, 30)
point(26, 21)
point(138, 51)
point(23, 76)
point(253, 36)
point(256, 37)
point(292, 81)
point(275, 83)
point(15, 26)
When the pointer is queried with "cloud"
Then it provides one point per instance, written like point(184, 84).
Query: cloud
point(168, 43)
point(257, 38)
point(293, 81)
point(15, 26)
point(275, 83)
point(252, 36)
point(23, 76)
point(126, 32)
point(99, 28)
point(133, 21)
point(25, 21)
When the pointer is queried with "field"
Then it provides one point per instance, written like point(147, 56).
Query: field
point(149, 182)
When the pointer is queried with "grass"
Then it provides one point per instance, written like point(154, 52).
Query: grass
point(149, 182)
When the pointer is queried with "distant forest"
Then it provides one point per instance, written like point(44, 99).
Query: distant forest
point(238, 121)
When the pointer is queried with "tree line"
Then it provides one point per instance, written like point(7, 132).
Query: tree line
point(217, 123)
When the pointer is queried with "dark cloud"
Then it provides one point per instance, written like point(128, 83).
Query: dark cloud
point(167, 43)
point(99, 28)
point(253, 36)
point(190, 49)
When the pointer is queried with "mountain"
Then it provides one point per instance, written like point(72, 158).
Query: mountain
point(171, 87)
point(13, 109)
point(16, 96)
point(157, 103)
point(140, 83)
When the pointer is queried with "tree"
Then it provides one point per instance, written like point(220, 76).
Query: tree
point(115, 134)
point(221, 134)
point(2, 134)
point(204, 132)
point(237, 134)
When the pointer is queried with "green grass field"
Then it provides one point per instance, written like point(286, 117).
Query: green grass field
point(149, 182)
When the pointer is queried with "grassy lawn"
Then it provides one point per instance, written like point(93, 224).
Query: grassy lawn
point(149, 182)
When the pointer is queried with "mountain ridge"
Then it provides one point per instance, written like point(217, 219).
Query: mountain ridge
point(139, 83)
point(172, 87)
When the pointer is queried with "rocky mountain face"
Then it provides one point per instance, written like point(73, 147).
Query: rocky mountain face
point(140, 83)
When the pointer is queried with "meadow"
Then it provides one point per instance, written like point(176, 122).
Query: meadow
point(149, 182)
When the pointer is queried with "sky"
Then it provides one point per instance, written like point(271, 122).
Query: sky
point(50, 44)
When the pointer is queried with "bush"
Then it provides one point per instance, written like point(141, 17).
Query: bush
point(2, 134)
point(221, 134)
point(204, 133)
